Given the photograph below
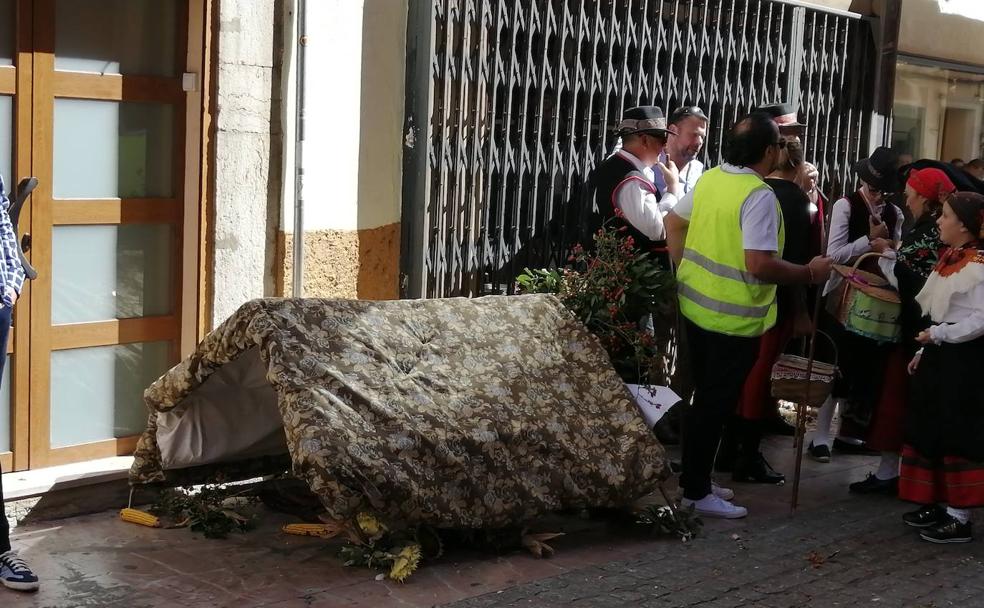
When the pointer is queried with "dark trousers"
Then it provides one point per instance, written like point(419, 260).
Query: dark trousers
point(720, 364)
point(4, 332)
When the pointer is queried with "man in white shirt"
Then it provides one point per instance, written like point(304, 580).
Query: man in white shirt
point(690, 124)
point(624, 192)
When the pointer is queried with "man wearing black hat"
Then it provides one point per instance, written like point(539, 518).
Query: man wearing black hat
point(689, 125)
point(624, 191)
point(861, 222)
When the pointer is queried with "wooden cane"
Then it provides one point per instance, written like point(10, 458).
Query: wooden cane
point(801, 407)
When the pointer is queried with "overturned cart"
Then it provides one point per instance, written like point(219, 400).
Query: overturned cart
point(453, 413)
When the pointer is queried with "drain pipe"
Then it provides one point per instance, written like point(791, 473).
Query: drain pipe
point(299, 76)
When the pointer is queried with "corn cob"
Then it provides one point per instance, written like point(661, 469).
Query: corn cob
point(319, 530)
point(142, 518)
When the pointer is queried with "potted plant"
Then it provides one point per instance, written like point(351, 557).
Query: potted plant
point(624, 297)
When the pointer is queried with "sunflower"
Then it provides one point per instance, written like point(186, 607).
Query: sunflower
point(370, 526)
point(405, 563)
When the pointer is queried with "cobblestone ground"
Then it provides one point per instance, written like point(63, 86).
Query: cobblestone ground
point(853, 553)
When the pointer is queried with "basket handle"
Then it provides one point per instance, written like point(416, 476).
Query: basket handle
point(833, 345)
point(863, 257)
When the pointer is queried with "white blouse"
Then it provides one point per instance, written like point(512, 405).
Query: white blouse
point(955, 304)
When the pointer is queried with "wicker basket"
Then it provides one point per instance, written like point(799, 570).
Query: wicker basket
point(865, 304)
point(789, 381)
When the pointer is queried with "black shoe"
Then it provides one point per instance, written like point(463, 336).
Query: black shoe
point(756, 470)
point(859, 449)
point(873, 485)
point(949, 531)
point(777, 425)
point(925, 516)
point(820, 453)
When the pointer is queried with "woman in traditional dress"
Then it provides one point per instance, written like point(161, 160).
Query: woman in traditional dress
point(943, 456)
point(908, 269)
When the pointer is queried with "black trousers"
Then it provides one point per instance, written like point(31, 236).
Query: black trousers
point(4, 526)
point(720, 364)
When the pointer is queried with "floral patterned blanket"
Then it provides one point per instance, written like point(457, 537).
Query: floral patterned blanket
point(455, 413)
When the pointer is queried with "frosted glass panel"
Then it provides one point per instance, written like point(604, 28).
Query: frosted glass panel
point(109, 149)
point(101, 273)
point(5, 406)
point(116, 36)
point(6, 140)
point(97, 393)
point(7, 38)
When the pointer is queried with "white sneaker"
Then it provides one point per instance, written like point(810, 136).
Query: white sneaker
point(713, 506)
point(721, 492)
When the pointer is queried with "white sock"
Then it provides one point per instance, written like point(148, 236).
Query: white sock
point(824, 417)
point(889, 466)
point(961, 515)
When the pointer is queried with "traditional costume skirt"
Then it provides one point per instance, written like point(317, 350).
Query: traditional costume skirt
point(756, 396)
point(943, 459)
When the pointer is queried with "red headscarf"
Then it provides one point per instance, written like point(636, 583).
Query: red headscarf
point(931, 183)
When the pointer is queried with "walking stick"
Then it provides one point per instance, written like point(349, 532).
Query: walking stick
point(801, 406)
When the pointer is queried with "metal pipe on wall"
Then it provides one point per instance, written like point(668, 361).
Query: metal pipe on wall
point(301, 73)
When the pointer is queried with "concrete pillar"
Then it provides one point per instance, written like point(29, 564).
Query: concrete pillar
point(247, 153)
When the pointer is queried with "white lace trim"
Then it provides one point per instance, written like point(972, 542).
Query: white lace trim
point(934, 299)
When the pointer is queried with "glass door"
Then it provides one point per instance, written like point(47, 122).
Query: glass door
point(108, 150)
point(16, 138)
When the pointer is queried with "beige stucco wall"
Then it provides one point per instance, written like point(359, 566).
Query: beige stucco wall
point(927, 32)
point(360, 264)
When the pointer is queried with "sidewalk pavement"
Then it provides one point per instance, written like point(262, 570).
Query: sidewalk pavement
point(838, 550)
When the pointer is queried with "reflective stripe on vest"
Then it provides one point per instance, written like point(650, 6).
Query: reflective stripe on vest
point(715, 288)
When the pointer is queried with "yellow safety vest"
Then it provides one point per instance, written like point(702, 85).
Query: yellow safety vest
point(715, 289)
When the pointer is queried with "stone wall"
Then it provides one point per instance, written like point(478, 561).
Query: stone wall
point(248, 155)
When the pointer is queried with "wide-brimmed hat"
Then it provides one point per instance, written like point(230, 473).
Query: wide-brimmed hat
point(880, 169)
point(644, 119)
point(783, 113)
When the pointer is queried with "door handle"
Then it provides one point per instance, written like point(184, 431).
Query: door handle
point(23, 191)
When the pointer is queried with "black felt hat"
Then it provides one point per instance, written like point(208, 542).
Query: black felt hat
point(879, 170)
point(644, 119)
point(783, 113)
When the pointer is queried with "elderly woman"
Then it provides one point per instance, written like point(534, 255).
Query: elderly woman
point(943, 458)
point(908, 269)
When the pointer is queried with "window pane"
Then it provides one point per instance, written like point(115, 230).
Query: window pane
point(109, 149)
point(116, 36)
point(101, 273)
point(7, 20)
point(97, 393)
point(938, 113)
point(7, 140)
point(5, 406)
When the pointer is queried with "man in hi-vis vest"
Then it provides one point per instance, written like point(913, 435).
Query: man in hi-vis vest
point(727, 237)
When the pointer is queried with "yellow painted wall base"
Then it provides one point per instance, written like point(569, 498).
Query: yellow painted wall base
point(362, 264)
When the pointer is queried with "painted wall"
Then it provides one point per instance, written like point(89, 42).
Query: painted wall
point(943, 29)
point(352, 152)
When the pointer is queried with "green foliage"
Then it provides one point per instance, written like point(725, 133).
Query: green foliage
point(212, 510)
point(611, 289)
point(668, 521)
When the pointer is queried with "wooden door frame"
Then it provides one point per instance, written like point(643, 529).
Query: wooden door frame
point(18, 81)
point(48, 85)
